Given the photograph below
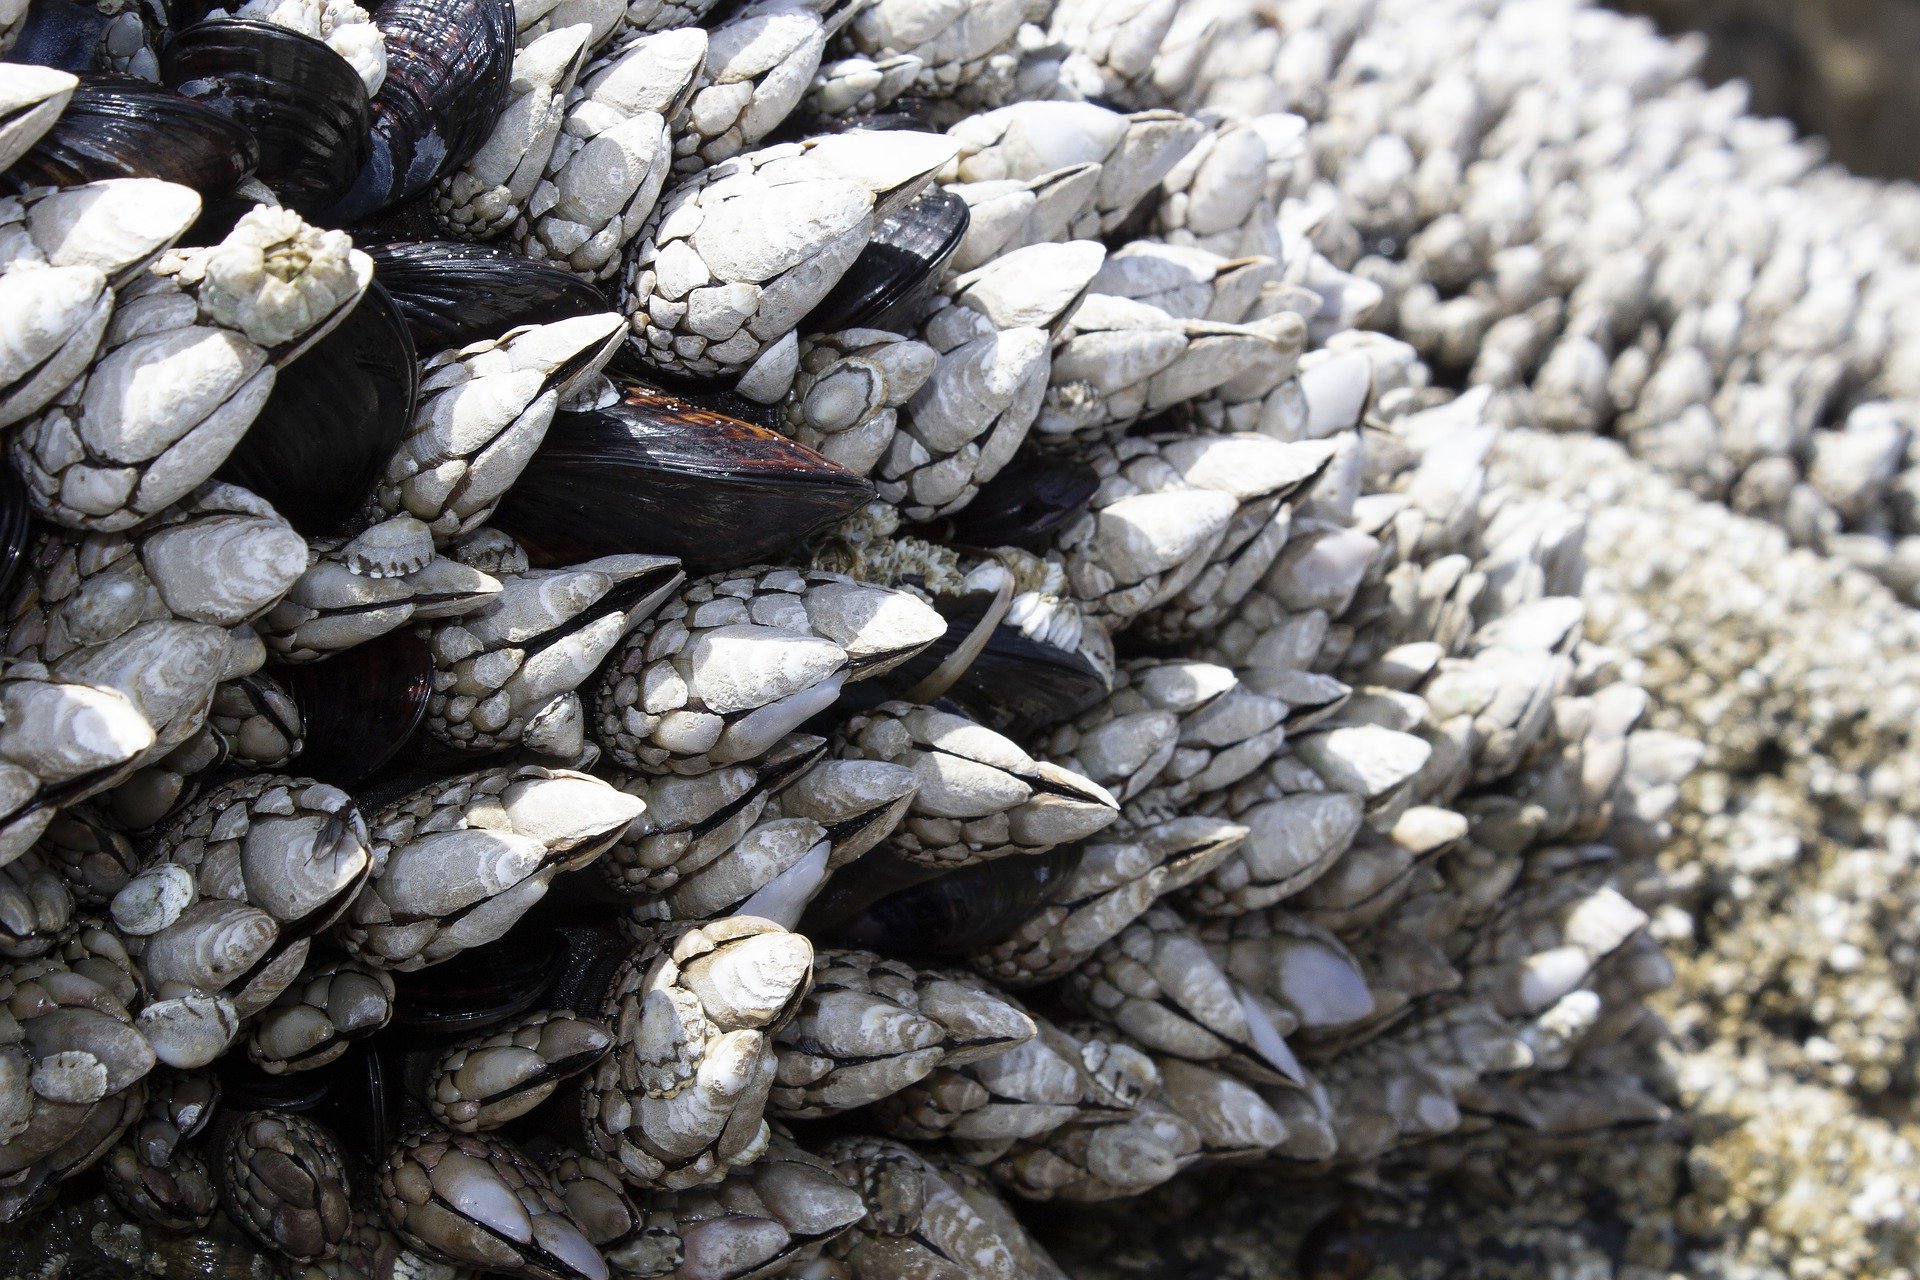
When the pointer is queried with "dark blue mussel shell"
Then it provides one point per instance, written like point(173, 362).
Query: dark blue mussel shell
point(119, 126)
point(360, 707)
point(335, 417)
point(302, 102)
point(656, 474)
point(898, 908)
point(898, 270)
point(449, 65)
point(451, 293)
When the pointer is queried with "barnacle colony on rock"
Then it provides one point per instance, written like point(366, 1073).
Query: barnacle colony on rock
point(861, 641)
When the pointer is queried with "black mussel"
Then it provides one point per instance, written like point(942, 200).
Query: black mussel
point(1015, 683)
point(952, 913)
point(302, 102)
point(15, 525)
point(244, 1086)
point(900, 267)
point(360, 706)
point(119, 126)
point(79, 35)
point(1030, 501)
point(479, 987)
point(451, 293)
point(449, 65)
point(335, 417)
point(363, 1100)
point(656, 474)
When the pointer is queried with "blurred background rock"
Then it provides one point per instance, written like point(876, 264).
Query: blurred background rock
point(1845, 69)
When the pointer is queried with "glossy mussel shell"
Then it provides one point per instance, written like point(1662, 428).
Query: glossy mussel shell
point(360, 707)
point(451, 293)
point(335, 417)
point(1025, 506)
point(68, 34)
point(656, 474)
point(15, 525)
point(933, 913)
point(302, 102)
point(899, 269)
point(125, 127)
point(449, 67)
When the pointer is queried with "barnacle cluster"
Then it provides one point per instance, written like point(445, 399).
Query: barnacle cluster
point(743, 641)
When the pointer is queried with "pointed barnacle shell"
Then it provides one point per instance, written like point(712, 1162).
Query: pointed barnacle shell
point(859, 803)
point(1547, 944)
point(734, 258)
point(1291, 842)
point(1115, 881)
point(1188, 283)
point(1155, 982)
point(734, 662)
point(480, 1202)
point(688, 822)
point(485, 1081)
point(612, 155)
point(1032, 1088)
point(78, 737)
point(772, 1215)
point(679, 1103)
point(221, 557)
point(35, 906)
point(771, 872)
point(31, 99)
point(318, 1018)
point(466, 856)
point(129, 439)
point(1105, 1159)
point(1232, 1120)
point(167, 669)
point(1303, 970)
point(505, 673)
point(978, 795)
point(758, 64)
point(920, 1222)
point(845, 399)
point(332, 606)
point(1032, 138)
point(872, 1026)
point(483, 411)
point(1008, 214)
point(484, 197)
point(954, 41)
point(117, 226)
point(296, 848)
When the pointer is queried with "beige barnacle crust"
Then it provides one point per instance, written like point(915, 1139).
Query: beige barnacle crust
point(465, 857)
point(31, 99)
point(189, 360)
point(483, 410)
point(775, 1214)
point(872, 1026)
point(335, 605)
point(978, 795)
point(72, 1071)
point(485, 197)
point(846, 399)
point(691, 821)
point(319, 1016)
point(612, 155)
point(505, 673)
point(680, 1101)
point(285, 1181)
point(485, 1081)
point(956, 43)
point(152, 1172)
point(476, 1200)
point(759, 62)
point(1118, 877)
point(923, 1222)
point(54, 732)
point(733, 662)
point(735, 257)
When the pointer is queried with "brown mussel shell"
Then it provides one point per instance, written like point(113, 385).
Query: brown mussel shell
point(451, 293)
point(947, 914)
point(360, 706)
point(335, 417)
point(302, 102)
point(449, 66)
point(898, 270)
point(124, 127)
point(656, 474)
